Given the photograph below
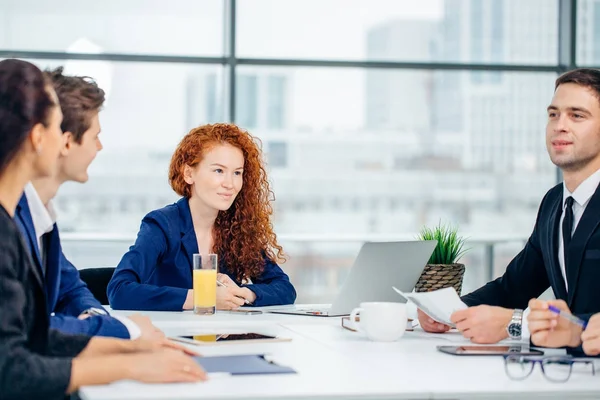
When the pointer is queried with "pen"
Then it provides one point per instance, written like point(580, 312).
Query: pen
point(224, 285)
point(569, 317)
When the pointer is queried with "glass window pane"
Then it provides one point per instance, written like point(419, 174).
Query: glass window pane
point(588, 32)
point(182, 27)
point(149, 109)
point(380, 152)
point(482, 31)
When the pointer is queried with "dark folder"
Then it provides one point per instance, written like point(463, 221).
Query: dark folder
point(252, 364)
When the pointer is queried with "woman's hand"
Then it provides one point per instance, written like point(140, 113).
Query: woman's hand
point(188, 304)
point(143, 346)
point(150, 361)
point(164, 366)
point(231, 296)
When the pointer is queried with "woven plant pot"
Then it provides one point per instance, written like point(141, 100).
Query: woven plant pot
point(439, 276)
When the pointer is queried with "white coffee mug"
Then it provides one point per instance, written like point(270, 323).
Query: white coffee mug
point(381, 322)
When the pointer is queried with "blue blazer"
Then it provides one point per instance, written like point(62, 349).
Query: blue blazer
point(67, 296)
point(156, 273)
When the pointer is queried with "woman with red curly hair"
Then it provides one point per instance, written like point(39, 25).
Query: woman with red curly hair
point(225, 209)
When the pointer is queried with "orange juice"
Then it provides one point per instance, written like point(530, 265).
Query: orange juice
point(205, 291)
point(205, 338)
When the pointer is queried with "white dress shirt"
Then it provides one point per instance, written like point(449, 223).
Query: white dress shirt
point(582, 195)
point(44, 218)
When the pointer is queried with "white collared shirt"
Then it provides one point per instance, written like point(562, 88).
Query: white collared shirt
point(44, 218)
point(582, 195)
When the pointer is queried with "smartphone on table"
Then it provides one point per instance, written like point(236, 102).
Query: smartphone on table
point(523, 350)
point(240, 312)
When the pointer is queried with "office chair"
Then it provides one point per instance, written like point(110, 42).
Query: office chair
point(97, 280)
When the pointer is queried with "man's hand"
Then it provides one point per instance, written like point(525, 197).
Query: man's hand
point(591, 336)
point(548, 329)
point(483, 324)
point(429, 325)
point(148, 330)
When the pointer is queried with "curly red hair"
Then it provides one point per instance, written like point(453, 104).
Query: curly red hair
point(243, 234)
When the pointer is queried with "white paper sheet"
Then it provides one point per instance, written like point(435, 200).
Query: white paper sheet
point(439, 305)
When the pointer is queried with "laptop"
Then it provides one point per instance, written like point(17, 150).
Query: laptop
point(378, 267)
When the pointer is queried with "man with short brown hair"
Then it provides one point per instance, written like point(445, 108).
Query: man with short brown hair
point(563, 251)
point(71, 306)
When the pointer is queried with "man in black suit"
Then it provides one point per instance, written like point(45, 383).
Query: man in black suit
point(563, 252)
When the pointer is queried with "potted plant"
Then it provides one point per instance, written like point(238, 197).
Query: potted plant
point(443, 269)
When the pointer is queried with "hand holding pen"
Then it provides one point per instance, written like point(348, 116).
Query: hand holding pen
point(551, 324)
point(568, 316)
point(219, 283)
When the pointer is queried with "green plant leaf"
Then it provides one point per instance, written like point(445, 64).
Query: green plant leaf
point(450, 246)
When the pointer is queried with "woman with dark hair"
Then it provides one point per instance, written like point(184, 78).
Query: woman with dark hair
point(225, 209)
point(37, 362)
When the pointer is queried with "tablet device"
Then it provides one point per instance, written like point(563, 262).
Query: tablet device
point(224, 338)
point(240, 312)
point(495, 350)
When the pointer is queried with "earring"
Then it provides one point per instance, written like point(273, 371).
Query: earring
point(38, 150)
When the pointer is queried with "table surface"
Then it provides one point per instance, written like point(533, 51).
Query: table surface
point(335, 363)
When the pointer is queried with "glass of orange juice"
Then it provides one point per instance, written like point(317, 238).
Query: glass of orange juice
point(205, 284)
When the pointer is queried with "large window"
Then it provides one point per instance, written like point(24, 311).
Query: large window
point(183, 27)
point(371, 151)
point(424, 30)
point(588, 32)
point(149, 108)
point(376, 116)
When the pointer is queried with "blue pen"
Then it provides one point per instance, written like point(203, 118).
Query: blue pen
point(570, 317)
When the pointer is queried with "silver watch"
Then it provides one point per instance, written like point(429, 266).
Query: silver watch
point(94, 311)
point(515, 326)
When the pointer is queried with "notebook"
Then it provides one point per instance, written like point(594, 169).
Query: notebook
point(252, 364)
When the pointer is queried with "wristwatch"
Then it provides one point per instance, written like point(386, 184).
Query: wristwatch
point(94, 311)
point(515, 326)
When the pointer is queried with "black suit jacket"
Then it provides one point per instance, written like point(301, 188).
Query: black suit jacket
point(536, 267)
point(35, 362)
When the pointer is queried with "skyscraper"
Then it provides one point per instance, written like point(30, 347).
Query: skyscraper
point(588, 32)
point(262, 100)
point(501, 113)
point(399, 100)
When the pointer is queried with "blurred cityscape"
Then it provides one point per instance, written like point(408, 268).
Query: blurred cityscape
point(412, 147)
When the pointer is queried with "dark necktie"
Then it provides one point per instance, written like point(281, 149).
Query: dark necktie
point(567, 228)
point(46, 242)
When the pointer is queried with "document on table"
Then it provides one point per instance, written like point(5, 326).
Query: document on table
point(439, 304)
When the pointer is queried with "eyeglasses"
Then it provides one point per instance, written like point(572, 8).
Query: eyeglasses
point(554, 368)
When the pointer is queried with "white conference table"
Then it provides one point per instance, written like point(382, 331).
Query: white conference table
point(334, 363)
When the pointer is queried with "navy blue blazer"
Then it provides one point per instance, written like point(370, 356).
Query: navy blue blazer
point(536, 267)
point(156, 272)
point(67, 296)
